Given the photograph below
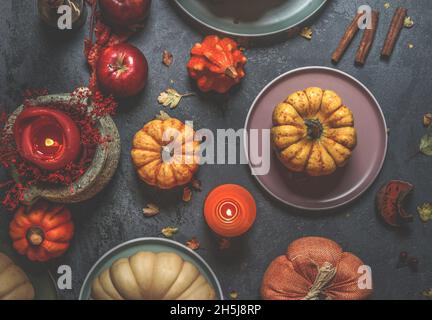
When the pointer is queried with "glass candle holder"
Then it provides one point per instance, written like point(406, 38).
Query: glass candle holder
point(230, 210)
point(51, 13)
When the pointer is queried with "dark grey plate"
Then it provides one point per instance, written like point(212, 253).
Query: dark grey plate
point(250, 18)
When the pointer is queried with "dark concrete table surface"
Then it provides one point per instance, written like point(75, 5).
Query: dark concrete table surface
point(31, 56)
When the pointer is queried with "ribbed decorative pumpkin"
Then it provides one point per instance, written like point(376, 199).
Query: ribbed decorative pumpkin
point(14, 283)
point(152, 276)
point(314, 268)
point(313, 132)
point(150, 150)
point(217, 64)
point(43, 232)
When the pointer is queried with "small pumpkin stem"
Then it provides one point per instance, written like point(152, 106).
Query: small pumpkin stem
point(314, 128)
point(231, 72)
point(35, 236)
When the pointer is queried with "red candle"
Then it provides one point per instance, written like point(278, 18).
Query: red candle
point(230, 210)
point(49, 138)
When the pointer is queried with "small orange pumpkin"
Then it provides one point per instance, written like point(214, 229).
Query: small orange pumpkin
point(148, 150)
point(42, 232)
point(217, 64)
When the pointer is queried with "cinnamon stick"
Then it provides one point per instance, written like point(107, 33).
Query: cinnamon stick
point(347, 38)
point(394, 32)
point(367, 40)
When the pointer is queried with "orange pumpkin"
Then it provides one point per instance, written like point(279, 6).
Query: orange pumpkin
point(41, 232)
point(217, 64)
point(314, 268)
point(152, 141)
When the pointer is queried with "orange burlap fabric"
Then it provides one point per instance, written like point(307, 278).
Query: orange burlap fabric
point(294, 275)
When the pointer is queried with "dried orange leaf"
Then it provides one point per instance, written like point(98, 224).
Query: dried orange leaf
point(306, 33)
point(234, 295)
point(187, 194)
point(193, 244)
point(427, 119)
point(167, 58)
point(224, 244)
point(151, 210)
point(196, 184)
point(169, 232)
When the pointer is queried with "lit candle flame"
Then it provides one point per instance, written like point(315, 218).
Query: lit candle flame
point(229, 213)
point(49, 142)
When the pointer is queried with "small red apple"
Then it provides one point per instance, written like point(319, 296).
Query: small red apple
point(125, 12)
point(122, 70)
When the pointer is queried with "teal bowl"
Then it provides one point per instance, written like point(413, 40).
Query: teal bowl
point(131, 247)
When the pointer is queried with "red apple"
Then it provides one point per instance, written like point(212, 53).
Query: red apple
point(125, 12)
point(122, 70)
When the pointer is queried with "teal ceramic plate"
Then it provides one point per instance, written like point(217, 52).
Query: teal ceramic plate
point(131, 247)
point(43, 283)
point(250, 18)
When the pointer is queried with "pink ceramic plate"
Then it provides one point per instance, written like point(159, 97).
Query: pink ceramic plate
point(346, 184)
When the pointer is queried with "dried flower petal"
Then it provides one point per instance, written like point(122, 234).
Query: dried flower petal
point(427, 119)
point(196, 184)
point(306, 33)
point(425, 212)
point(169, 232)
point(193, 244)
point(408, 22)
point(187, 194)
point(151, 210)
point(233, 295)
point(171, 98)
point(224, 244)
point(167, 58)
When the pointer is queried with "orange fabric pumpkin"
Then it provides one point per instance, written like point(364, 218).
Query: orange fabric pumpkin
point(217, 64)
point(148, 151)
point(314, 268)
point(43, 232)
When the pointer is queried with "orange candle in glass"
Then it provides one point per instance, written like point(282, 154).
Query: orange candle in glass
point(230, 210)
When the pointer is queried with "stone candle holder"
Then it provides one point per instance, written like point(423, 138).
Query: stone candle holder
point(96, 177)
